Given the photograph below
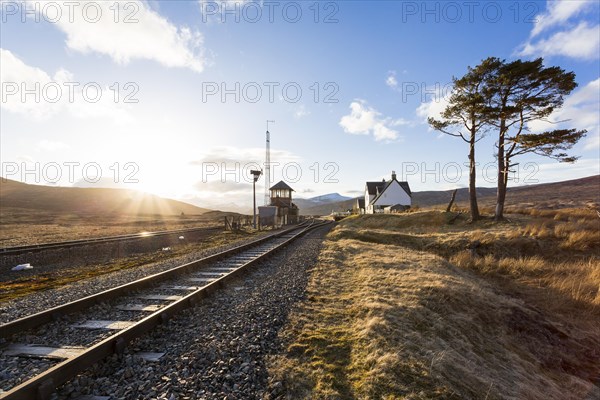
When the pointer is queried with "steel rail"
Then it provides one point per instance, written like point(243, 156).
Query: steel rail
point(99, 240)
point(43, 317)
point(43, 385)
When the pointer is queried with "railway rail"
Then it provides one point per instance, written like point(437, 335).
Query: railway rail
point(15, 250)
point(127, 312)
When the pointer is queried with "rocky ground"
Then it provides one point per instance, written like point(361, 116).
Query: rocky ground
point(218, 349)
point(39, 301)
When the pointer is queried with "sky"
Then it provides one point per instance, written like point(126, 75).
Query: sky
point(173, 97)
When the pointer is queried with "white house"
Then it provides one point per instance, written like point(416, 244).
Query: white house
point(385, 194)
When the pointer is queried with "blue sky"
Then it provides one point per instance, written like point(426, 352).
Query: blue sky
point(370, 72)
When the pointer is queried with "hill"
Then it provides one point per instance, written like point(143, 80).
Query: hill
point(327, 208)
point(574, 192)
point(319, 203)
point(405, 307)
point(89, 200)
point(571, 193)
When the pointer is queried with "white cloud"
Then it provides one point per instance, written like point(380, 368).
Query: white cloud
point(557, 13)
point(581, 42)
point(569, 32)
point(365, 120)
point(434, 107)
point(50, 145)
point(580, 110)
point(15, 75)
point(301, 112)
point(51, 95)
point(382, 132)
point(226, 183)
point(391, 80)
point(361, 119)
point(134, 32)
point(231, 155)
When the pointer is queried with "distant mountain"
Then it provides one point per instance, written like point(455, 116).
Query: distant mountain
point(329, 198)
point(230, 207)
point(318, 201)
point(89, 200)
point(327, 208)
point(572, 193)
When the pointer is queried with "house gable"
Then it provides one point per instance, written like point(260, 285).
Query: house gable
point(393, 193)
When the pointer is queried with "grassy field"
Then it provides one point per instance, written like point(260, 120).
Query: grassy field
point(412, 306)
point(24, 226)
point(31, 214)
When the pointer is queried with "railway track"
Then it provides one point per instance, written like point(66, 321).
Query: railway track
point(115, 317)
point(16, 250)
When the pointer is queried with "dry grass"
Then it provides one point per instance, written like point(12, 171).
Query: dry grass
point(22, 226)
point(536, 253)
point(577, 282)
point(387, 318)
point(563, 214)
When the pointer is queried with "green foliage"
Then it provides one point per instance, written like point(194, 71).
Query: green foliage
point(506, 97)
point(550, 144)
point(468, 104)
point(526, 91)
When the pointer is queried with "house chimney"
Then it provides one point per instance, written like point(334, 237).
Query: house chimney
point(393, 175)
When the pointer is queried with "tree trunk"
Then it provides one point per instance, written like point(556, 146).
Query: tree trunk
point(451, 200)
point(472, 186)
point(501, 192)
point(501, 196)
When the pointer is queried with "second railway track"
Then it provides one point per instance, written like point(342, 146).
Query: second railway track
point(35, 248)
point(117, 316)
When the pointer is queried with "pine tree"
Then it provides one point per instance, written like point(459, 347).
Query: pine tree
point(521, 92)
point(465, 116)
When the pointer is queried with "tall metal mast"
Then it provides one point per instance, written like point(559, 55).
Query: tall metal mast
point(268, 167)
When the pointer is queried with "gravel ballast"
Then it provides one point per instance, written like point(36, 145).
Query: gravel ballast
point(217, 349)
point(40, 301)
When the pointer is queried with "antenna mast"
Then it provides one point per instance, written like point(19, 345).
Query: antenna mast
point(268, 167)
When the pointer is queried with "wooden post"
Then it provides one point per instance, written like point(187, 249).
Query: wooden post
point(451, 201)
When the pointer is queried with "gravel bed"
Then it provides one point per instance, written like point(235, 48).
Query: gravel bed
point(63, 333)
point(16, 370)
point(216, 350)
point(41, 301)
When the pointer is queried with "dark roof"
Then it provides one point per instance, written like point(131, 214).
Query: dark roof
point(281, 185)
point(403, 185)
point(406, 188)
point(361, 202)
point(283, 204)
point(373, 186)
